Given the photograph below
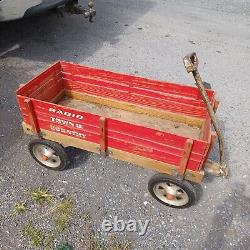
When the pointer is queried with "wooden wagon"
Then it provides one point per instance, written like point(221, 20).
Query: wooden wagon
point(163, 126)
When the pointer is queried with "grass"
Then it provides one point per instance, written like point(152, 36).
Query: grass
point(21, 207)
point(41, 195)
point(94, 243)
point(49, 242)
point(64, 246)
point(36, 236)
point(115, 244)
point(62, 214)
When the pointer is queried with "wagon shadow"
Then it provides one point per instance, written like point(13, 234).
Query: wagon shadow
point(234, 207)
point(77, 157)
point(47, 38)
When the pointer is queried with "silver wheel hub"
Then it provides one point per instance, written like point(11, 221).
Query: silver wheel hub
point(46, 156)
point(171, 194)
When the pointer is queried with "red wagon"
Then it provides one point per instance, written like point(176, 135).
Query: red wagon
point(158, 125)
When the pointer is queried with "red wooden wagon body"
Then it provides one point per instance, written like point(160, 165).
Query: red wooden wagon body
point(175, 152)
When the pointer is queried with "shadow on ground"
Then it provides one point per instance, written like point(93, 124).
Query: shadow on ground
point(47, 38)
point(227, 216)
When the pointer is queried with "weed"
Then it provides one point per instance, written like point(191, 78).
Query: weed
point(63, 212)
point(94, 243)
point(35, 236)
point(86, 217)
point(21, 207)
point(115, 244)
point(41, 195)
point(64, 246)
point(49, 242)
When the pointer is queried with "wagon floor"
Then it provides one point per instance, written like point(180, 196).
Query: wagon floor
point(134, 118)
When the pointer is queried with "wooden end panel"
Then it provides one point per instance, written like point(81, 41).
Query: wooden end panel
point(185, 157)
point(206, 129)
point(49, 90)
point(210, 144)
point(28, 88)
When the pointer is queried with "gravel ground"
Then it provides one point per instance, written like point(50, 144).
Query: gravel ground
point(147, 38)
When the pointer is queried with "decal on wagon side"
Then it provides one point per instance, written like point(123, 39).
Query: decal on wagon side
point(65, 113)
point(67, 131)
point(66, 123)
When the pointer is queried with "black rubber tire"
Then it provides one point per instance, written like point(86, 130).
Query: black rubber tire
point(185, 185)
point(59, 150)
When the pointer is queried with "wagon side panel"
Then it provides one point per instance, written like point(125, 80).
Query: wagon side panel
point(153, 144)
point(133, 81)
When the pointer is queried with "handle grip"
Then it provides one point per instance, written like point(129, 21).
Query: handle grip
point(191, 62)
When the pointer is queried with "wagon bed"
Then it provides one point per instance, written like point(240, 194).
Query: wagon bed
point(131, 117)
point(154, 124)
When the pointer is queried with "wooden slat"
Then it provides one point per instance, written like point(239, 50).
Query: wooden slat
point(185, 157)
point(32, 116)
point(103, 144)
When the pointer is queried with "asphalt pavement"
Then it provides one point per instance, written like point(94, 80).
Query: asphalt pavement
point(146, 38)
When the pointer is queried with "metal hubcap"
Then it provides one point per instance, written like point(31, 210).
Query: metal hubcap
point(171, 194)
point(46, 156)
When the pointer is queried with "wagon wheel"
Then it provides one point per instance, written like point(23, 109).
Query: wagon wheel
point(172, 192)
point(49, 154)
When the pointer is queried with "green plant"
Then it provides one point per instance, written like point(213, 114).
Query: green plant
point(49, 242)
point(41, 195)
point(64, 246)
point(21, 207)
point(115, 244)
point(62, 213)
point(94, 243)
point(35, 236)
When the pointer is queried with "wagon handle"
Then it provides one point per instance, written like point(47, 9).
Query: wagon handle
point(191, 64)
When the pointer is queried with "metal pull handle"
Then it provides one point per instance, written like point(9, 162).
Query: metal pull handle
point(191, 64)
